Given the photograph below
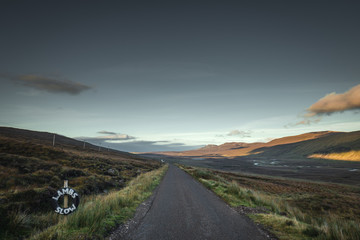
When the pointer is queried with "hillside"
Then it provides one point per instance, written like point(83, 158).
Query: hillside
point(31, 169)
point(299, 146)
point(336, 142)
point(46, 138)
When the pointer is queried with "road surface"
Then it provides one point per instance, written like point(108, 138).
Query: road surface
point(184, 209)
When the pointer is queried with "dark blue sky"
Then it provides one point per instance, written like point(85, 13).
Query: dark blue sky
point(171, 73)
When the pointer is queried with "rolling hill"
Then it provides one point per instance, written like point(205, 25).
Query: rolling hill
point(32, 169)
point(299, 146)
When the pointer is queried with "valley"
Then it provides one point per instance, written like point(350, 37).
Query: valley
point(293, 157)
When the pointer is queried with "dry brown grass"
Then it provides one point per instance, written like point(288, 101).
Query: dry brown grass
point(31, 172)
point(344, 156)
point(101, 213)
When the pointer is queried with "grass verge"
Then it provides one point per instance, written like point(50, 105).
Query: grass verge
point(291, 209)
point(97, 215)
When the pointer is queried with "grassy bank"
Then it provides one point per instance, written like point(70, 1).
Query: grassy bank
point(32, 170)
point(97, 215)
point(291, 209)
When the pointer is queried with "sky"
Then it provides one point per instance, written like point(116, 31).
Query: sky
point(144, 76)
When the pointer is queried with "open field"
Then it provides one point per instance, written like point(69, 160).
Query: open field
point(320, 156)
point(343, 172)
point(291, 209)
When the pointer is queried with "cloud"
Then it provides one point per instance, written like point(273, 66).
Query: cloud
point(127, 143)
point(308, 121)
point(332, 103)
point(107, 132)
point(51, 85)
point(108, 137)
point(152, 146)
point(239, 133)
point(140, 145)
point(335, 102)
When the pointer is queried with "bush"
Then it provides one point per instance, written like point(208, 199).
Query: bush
point(311, 231)
point(202, 174)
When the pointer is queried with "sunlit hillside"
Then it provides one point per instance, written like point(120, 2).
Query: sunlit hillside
point(326, 144)
point(345, 156)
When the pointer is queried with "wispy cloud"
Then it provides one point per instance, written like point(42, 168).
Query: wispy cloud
point(49, 84)
point(308, 121)
point(332, 103)
point(235, 133)
point(239, 133)
point(124, 142)
point(108, 136)
point(107, 132)
point(152, 146)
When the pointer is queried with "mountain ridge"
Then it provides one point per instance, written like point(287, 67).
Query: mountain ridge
point(46, 138)
point(302, 145)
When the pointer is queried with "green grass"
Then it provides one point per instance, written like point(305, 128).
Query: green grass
point(295, 209)
point(97, 215)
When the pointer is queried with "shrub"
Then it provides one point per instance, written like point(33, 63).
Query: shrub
point(311, 231)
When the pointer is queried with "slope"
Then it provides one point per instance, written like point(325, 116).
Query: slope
point(31, 169)
point(336, 142)
point(235, 149)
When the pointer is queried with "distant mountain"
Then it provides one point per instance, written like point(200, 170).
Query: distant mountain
point(299, 146)
point(211, 148)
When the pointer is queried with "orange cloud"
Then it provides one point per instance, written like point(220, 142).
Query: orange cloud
point(335, 102)
point(331, 103)
point(308, 121)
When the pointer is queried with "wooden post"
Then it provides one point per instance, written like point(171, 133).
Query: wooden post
point(66, 197)
point(54, 141)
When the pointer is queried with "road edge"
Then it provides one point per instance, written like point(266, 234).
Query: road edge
point(124, 229)
point(262, 229)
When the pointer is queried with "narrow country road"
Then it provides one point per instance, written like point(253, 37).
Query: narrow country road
point(184, 209)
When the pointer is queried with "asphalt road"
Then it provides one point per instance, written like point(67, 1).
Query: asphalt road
point(184, 209)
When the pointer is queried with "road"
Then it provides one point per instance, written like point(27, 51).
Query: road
point(184, 209)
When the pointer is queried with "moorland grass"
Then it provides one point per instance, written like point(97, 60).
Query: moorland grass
point(99, 214)
point(295, 209)
point(32, 171)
